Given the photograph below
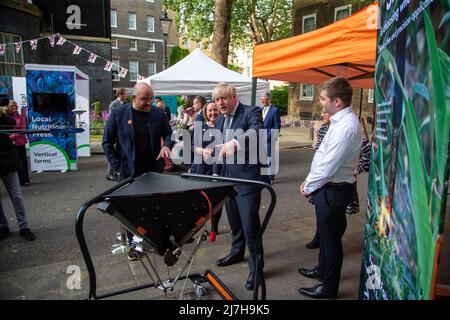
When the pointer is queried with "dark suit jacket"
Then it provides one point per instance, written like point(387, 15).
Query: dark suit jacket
point(118, 138)
point(245, 118)
point(271, 121)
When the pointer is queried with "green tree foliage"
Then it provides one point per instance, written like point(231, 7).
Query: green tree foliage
point(252, 21)
point(177, 54)
point(234, 68)
point(280, 98)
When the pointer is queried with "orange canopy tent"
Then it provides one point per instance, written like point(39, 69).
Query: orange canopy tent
point(346, 48)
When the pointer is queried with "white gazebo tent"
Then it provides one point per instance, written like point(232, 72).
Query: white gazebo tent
point(198, 74)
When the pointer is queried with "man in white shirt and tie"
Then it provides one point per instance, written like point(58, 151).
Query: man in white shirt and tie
point(331, 181)
point(272, 124)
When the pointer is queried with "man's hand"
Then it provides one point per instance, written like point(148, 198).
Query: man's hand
point(3, 111)
point(227, 149)
point(207, 153)
point(165, 152)
point(302, 191)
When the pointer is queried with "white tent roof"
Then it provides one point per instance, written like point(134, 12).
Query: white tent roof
point(198, 74)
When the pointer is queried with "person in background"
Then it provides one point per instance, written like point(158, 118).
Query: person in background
point(20, 140)
point(160, 104)
point(272, 122)
point(9, 163)
point(119, 101)
point(203, 155)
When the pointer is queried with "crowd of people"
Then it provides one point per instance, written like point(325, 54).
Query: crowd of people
point(330, 185)
point(138, 137)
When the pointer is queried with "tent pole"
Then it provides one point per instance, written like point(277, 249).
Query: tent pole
point(360, 104)
point(254, 81)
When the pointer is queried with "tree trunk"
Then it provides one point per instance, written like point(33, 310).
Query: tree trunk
point(221, 33)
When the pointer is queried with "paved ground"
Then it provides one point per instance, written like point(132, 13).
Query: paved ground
point(43, 269)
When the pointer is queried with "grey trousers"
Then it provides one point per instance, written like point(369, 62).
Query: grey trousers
point(12, 185)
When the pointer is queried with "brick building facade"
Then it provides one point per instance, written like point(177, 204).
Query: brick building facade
point(309, 15)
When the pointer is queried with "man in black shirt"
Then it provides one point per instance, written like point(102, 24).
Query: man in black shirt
point(132, 139)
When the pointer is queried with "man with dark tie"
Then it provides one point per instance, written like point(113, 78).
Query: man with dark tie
point(240, 125)
point(272, 124)
point(132, 140)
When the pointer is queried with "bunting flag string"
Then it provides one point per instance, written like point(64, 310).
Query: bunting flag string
point(56, 39)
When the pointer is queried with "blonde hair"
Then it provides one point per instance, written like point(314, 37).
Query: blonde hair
point(205, 115)
point(223, 89)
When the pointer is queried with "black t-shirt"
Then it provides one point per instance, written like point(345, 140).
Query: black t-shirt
point(144, 160)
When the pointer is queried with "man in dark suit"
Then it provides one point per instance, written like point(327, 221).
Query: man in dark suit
point(272, 124)
point(132, 139)
point(238, 122)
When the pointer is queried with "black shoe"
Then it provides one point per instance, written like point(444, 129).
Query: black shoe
point(250, 284)
point(27, 234)
point(312, 244)
point(310, 273)
point(317, 292)
point(4, 233)
point(229, 260)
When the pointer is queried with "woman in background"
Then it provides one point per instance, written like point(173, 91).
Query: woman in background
point(20, 140)
point(201, 165)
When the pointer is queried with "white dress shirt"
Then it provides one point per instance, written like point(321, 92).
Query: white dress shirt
point(338, 155)
point(264, 111)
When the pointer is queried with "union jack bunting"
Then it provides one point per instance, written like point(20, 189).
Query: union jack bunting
point(302, 123)
point(123, 72)
point(92, 58)
point(2, 49)
point(61, 41)
point(108, 66)
point(18, 45)
point(140, 77)
point(52, 40)
point(33, 44)
point(76, 50)
point(292, 124)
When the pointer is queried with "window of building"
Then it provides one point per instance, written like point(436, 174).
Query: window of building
point(306, 115)
point(309, 23)
point(306, 92)
point(133, 45)
point(134, 70)
point(151, 68)
point(150, 24)
point(11, 63)
point(114, 18)
point(150, 1)
point(115, 70)
point(342, 12)
point(186, 44)
point(131, 20)
point(370, 93)
point(114, 43)
point(151, 46)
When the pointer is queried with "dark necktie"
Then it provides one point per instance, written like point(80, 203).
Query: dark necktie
point(226, 128)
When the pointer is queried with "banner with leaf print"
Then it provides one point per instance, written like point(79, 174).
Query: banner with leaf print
point(407, 180)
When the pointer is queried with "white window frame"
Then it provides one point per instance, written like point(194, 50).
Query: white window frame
point(307, 98)
point(130, 27)
point(115, 18)
point(186, 44)
point(135, 44)
point(151, 28)
point(132, 79)
point(370, 95)
point(313, 15)
point(337, 9)
point(151, 46)
point(150, 1)
point(16, 59)
point(148, 68)
point(115, 76)
point(114, 43)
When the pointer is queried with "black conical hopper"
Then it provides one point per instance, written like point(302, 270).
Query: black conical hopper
point(164, 209)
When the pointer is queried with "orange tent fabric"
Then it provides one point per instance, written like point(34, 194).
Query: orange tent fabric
point(345, 48)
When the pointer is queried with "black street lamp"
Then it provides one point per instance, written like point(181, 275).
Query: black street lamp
point(165, 23)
